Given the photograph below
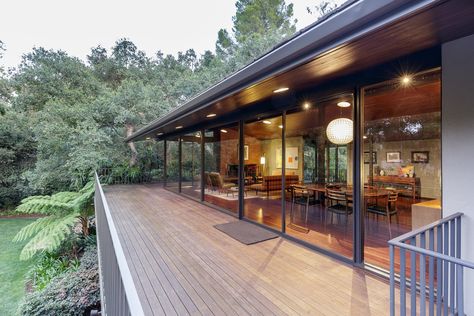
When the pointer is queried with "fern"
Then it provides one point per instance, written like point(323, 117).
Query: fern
point(64, 210)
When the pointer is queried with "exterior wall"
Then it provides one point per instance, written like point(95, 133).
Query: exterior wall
point(458, 144)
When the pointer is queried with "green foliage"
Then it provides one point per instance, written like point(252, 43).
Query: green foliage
point(73, 292)
point(61, 118)
point(49, 266)
point(63, 211)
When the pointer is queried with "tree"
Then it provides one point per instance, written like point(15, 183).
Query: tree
point(259, 18)
point(63, 211)
point(322, 8)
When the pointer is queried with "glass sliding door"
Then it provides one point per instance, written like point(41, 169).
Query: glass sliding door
point(263, 171)
point(402, 159)
point(221, 167)
point(319, 144)
point(191, 164)
point(172, 164)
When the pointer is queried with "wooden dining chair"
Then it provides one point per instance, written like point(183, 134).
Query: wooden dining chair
point(388, 210)
point(301, 196)
point(338, 203)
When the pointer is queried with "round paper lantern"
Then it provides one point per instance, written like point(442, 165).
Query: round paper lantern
point(340, 131)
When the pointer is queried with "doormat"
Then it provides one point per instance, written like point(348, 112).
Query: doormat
point(246, 233)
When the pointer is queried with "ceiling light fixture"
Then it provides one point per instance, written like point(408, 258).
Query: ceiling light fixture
point(280, 126)
point(223, 131)
point(159, 134)
point(343, 104)
point(282, 89)
point(306, 105)
point(364, 137)
point(339, 131)
point(179, 127)
point(266, 122)
point(211, 115)
point(148, 138)
point(406, 80)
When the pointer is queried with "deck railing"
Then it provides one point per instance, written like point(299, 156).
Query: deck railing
point(118, 293)
point(436, 287)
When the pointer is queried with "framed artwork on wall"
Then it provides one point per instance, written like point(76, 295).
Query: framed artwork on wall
point(420, 156)
point(367, 157)
point(291, 158)
point(394, 156)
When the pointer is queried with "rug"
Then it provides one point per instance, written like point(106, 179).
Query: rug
point(246, 233)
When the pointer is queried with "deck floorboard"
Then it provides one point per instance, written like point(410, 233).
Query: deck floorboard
point(182, 265)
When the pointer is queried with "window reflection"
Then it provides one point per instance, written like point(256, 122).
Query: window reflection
point(402, 160)
point(319, 208)
point(221, 167)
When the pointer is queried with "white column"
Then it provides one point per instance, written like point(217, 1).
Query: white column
point(458, 145)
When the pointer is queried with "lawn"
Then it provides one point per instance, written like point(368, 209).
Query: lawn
point(12, 270)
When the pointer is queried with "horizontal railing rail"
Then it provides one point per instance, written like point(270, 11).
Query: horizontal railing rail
point(431, 269)
point(118, 292)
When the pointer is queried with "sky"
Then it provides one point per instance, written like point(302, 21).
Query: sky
point(77, 26)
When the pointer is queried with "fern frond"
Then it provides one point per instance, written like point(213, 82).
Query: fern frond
point(65, 197)
point(33, 228)
point(44, 206)
point(50, 237)
point(89, 186)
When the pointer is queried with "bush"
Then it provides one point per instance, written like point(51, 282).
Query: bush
point(71, 293)
point(49, 266)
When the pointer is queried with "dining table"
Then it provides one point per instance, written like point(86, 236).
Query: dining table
point(369, 193)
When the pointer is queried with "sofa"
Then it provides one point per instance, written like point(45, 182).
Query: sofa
point(273, 183)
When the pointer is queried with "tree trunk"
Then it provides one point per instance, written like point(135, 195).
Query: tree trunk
point(131, 145)
point(85, 226)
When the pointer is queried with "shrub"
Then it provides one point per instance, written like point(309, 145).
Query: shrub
point(71, 293)
point(49, 266)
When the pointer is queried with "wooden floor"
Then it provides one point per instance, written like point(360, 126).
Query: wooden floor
point(182, 265)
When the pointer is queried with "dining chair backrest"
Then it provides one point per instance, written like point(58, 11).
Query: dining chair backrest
point(336, 195)
point(392, 197)
point(300, 190)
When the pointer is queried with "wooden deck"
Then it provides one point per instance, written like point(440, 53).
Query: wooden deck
point(182, 265)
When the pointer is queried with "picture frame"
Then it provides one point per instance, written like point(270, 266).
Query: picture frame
point(394, 156)
point(246, 152)
point(291, 158)
point(420, 156)
point(367, 157)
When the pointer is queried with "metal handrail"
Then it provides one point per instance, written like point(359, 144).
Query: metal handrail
point(133, 305)
point(436, 250)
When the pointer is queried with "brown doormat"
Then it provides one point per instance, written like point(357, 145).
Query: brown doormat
point(245, 232)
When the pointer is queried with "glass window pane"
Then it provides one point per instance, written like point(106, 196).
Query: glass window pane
point(263, 172)
point(319, 209)
point(221, 167)
point(191, 164)
point(172, 164)
point(402, 180)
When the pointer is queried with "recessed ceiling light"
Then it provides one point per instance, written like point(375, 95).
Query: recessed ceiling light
point(280, 126)
point(159, 134)
point(343, 104)
point(223, 131)
point(211, 115)
point(406, 80)
point(306, 105)
point(148, 138)
point(178, 127)
point(266, 122)
point(282, 89)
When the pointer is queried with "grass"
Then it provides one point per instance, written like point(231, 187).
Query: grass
point(12, 270)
